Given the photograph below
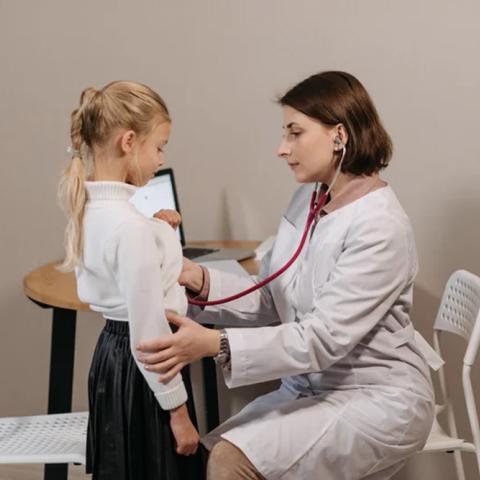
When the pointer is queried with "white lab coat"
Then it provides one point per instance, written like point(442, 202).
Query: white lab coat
point(356, 396)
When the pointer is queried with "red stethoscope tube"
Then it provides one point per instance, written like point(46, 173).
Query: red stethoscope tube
point(316, 205)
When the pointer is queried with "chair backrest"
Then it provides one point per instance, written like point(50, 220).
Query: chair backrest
point(460, 304)
point(459, 314)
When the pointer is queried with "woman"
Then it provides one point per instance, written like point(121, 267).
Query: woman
point(356, 396)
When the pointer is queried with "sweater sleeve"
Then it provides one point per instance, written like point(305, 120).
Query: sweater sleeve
point(135, 259)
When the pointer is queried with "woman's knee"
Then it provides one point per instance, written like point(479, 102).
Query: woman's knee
point(227, 462)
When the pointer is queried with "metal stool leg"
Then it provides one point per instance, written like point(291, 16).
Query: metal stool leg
point(211, 393)
point(61, 375)
point(56, 471)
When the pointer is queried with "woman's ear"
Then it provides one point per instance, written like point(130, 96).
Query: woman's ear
point(341, 135)
point(127, 141)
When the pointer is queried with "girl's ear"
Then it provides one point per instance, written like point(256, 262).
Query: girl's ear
point(127, 141)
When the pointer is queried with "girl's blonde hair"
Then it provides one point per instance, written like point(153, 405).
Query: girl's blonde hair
point(119, 104)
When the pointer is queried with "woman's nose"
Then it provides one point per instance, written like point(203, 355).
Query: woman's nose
point(283, 149)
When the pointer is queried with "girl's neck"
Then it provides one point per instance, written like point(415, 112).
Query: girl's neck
point(108, 169)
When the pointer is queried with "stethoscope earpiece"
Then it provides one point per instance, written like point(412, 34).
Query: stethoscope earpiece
point(338, 144)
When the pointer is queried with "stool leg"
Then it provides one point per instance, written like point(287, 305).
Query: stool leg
point(62, 354)
point(211, 393)
point(56, 471)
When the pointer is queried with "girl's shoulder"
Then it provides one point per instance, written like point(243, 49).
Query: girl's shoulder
point(136, 231)
point(168, 240)
point(164, 233)
point(131, 234)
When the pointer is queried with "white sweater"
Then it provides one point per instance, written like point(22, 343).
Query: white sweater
point(130, 269)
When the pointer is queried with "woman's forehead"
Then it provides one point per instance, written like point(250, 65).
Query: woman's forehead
point(292, 118)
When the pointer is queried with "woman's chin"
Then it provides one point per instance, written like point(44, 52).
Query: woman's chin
point(302, 177)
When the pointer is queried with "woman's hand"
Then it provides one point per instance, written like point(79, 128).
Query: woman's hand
point(168, 354)
point(191, 276)
point(186, 435)
point(172, 217)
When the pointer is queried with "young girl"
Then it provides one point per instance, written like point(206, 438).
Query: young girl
point(127, 268)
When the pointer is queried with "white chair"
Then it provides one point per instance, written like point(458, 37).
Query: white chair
point(458, 314)
point(54, 438)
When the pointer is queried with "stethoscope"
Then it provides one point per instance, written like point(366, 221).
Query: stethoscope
point(317, 202)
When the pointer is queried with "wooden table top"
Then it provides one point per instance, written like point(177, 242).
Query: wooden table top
point(51, 287)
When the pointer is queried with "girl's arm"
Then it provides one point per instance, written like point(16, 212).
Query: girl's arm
point(186, 435)
point(135, 260)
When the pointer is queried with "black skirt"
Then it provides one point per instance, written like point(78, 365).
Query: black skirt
point(129, 436)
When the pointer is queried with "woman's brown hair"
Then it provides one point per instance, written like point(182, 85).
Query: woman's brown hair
point(339, 98)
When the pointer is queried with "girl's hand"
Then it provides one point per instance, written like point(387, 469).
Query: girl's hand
point(172, 217)
point(191, 276)
point(168, 354)
point(186, 435)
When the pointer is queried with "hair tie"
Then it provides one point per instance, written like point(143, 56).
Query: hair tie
point(74, 152)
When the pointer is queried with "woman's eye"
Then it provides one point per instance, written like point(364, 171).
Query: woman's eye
point(295, 134)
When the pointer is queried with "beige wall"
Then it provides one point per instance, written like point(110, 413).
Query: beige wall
point(220, 64)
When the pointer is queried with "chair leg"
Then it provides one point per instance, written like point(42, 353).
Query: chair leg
point(457, 454)
point(477, 453)
point(55, 471)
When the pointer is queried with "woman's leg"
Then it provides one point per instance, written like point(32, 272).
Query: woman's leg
point(227, 462)
point(386, 473)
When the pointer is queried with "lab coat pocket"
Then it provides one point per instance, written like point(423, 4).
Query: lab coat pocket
point(402, 336)
point(409, 334)
point(323, 256)
point(286, 243)
point(288, 221)
point(381, 339)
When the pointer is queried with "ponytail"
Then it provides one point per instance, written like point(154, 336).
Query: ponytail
point(72, 196)
point(71, 190)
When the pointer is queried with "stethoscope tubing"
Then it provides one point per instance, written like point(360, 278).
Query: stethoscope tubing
point(317, 201)
point(316, 204)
